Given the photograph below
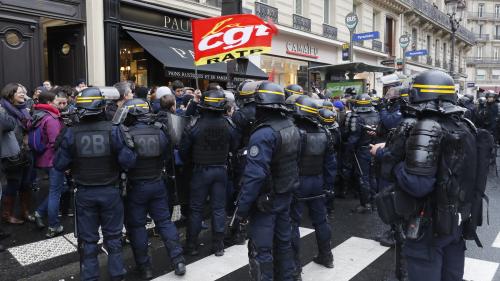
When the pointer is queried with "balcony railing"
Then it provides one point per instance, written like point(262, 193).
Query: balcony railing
point(483, 16)
point(266, 12)
point(496, 37)
point(377, 45)
point(482, 60)
point(301, 23)
point(429, 60)
point(358, 43)
point(445, 65)
point(329, 31)
point(482, 37)
point(426, 9)
point(438, 63)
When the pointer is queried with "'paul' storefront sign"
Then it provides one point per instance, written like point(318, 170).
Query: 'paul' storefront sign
point(303, 50)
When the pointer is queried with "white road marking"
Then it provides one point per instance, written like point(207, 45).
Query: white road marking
point(350, 258)
point(479, 270)
point(496, 243)
point(42, 250)
point(213, 268)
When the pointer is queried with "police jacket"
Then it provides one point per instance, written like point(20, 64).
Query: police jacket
point(208, 139)
point(389, 119)
point(272, 160)
point(151, 148)
point(244, 118)
point(317, 156)
point(95, 151)
point(358, 129)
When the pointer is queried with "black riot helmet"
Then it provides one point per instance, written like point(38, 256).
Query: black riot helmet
point(491, 96)
point(307, 107)
point(349, 92)
point(433, 85)
point(213, 100)
point(293, 89)
point(90, 101)
point(270, 95)
point(363, 103)
point(327, 117)
point(327, 104)
point(137, 107)
point(246, 89)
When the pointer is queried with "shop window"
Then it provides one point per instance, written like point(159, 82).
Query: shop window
point(133, 62)
point(285, 71)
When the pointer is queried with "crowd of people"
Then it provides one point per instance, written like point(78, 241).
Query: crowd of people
point(259, 154)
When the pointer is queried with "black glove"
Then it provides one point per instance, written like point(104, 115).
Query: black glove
point(329, 192)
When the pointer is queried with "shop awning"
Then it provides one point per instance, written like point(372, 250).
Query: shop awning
point(177, 57)
point(353, 67)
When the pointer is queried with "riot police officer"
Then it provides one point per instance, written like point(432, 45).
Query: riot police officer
point(95, 152)
point(317, 168)
point(273, 154)
point(491, 116)
point(293, 89)
point(362, 133)
point(147, 193)
point(467, 102)
point(390, 114)
point(328, 119)
point(437, 160)
point(206, 144)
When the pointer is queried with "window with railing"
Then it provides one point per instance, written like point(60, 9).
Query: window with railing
point(497, 11)
point(216, 3)
point(326, 12)
point(480, 11)
point(298, 7)
point(479, 51)
point(495, 74)
point(480, 74)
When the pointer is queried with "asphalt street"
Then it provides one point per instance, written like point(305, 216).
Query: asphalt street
point(357, 256)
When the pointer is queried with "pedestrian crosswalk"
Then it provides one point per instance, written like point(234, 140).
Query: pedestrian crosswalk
point(352, 257)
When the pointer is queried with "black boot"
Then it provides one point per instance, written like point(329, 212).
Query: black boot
point(180, 268)
point(325, 256)
point(218, 244)
point(191, 248)
point(3, 234)
point(387, 239)
point(2, 248)
point(146, 272)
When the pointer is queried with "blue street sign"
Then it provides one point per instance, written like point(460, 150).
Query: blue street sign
point(416, 53)
point(365, 36)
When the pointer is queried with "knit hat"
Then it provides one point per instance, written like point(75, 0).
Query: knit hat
point(163, 91)
point(338, 104)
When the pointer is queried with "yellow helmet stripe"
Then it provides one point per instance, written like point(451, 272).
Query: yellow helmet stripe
point(84, 101)
point(213, 99)
point(363, 102)
point(404, 95)
point(421, 86)
point(294, 92)
point(307, 108)
point(328, 120)
point(246, 93)
point(143, 105)
point(271, 92)
point(327, 107)
point(89, 98)
point(438, 91)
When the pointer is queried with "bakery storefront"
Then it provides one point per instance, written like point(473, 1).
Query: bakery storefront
point(152, 45)
point(291, 58)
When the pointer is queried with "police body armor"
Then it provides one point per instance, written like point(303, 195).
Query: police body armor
point(313, 154)
point(95, 162)
point(211, 147)
point(246, 119)
point(366, 119)
point(284, 164)
point(149, 163)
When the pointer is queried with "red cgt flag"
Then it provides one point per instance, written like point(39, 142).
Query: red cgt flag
point(230, 37)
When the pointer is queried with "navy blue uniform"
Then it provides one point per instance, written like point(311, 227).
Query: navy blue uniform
point(206, 143)
point(390, 118)
point(148, 194)
point(96, 205)
point(318, 168)
point(269, 226)
point(358, 144)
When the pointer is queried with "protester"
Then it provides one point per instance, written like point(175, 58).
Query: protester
point(47, 119)
point(125, 91)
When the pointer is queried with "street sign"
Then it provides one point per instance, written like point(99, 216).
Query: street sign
point(365, 36)
point(416, 53)
point(351, 21)
point(345, 52)
point(471, 84)
point(404, 41)
point(387, 62)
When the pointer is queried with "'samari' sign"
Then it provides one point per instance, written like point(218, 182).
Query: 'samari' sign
point(230, 37)
point(304, 50)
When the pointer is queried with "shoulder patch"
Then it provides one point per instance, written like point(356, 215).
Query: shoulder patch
point(254, 151)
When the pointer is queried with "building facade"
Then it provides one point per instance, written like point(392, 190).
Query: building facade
point(429, 28)
point(483, 62)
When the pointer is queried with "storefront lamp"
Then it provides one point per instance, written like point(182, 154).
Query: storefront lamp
point(455, 9)
point(122, 68)
point(451, 6)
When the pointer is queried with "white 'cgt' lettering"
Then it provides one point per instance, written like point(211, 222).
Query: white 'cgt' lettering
point(233, 37)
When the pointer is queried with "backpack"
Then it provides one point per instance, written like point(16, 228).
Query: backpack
point(35, 134)
point(485, 147)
